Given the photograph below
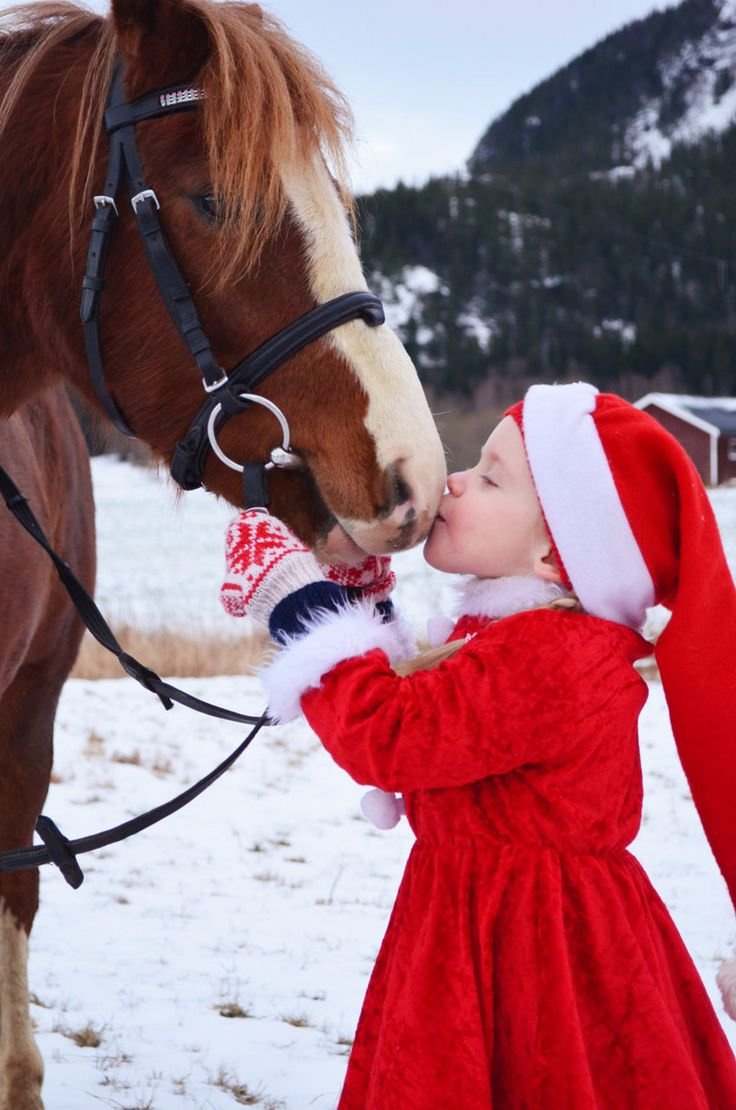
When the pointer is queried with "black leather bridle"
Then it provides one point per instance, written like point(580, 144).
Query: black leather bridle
point(226, 393)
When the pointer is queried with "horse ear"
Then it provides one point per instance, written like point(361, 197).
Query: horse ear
point(162, 42)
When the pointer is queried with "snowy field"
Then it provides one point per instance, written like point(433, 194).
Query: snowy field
point(220, 959)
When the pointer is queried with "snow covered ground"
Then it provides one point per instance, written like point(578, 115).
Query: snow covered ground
point(220, 958)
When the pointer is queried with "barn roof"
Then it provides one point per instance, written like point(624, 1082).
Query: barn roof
point(714, 415)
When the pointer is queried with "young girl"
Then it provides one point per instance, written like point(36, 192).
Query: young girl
point(528, 963)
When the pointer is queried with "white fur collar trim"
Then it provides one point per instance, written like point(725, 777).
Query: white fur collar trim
point(500, 597)
point(330, 638)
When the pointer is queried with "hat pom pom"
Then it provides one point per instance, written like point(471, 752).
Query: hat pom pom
point(726, 979)
point(382, 809)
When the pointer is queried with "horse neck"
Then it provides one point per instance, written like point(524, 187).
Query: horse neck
point(38, 279)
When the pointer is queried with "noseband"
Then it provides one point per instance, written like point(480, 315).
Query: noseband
point(227, 393)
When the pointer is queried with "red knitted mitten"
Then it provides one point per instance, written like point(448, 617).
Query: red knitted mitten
point(373, 577)
point(264, 563)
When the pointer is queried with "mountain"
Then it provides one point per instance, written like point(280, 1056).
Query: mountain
point(658, 81)
point(594, 231)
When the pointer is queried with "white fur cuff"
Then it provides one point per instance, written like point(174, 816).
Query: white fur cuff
point(726, 979)
point(330, 638)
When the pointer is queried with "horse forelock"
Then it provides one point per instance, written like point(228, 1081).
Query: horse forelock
point(268, 105)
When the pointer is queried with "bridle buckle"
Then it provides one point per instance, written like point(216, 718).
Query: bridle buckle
point(103, 201)
point(145, 194)
point(210, 387)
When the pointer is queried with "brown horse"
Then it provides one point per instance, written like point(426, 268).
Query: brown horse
point(42, 446)
point(254, 208)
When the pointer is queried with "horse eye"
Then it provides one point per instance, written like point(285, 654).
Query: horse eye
point(209, 207)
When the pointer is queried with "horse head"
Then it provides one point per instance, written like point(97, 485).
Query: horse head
point(255, 210)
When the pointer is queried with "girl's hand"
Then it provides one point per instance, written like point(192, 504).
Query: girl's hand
point(264, 562)
point(373, 577)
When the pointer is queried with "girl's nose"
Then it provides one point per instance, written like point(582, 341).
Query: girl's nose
point(455, 484)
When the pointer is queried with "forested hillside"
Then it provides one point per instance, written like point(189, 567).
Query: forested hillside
point(597, 240)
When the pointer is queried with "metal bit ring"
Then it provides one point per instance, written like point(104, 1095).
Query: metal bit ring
point(281, 457)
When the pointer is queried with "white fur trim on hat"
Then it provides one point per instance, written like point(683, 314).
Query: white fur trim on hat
point(726, 979)
point(329, 638)
point(581, 504)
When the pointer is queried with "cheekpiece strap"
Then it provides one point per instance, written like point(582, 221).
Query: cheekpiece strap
point(121, 117)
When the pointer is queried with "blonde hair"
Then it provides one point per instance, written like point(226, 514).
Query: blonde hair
point(432, 657)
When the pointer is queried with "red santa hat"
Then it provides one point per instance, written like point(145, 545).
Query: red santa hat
point(633, 527)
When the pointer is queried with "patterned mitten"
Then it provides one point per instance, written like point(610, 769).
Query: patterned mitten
point(264, 563)
point(373, 577)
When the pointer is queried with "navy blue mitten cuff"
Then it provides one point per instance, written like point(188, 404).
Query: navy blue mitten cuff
point(293, 613)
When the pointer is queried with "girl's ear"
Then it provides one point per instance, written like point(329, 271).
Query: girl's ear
point(545, 566)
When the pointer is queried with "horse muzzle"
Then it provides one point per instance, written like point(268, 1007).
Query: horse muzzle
point(350, 540)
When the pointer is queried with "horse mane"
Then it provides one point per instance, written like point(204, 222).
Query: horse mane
point(267, 104)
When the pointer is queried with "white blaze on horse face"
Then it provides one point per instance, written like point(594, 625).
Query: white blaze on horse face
point(21, 1067)
point(398, 416)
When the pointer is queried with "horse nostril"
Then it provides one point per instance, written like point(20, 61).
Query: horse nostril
point(402, 490)
point(398, 491)
point(405, 532)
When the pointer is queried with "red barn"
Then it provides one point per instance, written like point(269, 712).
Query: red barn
point(705, 426)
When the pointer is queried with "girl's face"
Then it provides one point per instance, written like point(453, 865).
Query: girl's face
point(489, 522)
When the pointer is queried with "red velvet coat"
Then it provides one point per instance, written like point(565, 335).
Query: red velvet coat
point(528, 964)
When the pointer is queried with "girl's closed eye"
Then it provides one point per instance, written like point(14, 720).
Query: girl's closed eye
point(486, 478)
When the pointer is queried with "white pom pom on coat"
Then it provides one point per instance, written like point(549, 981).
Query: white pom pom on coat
point(726, 980)
point(383, 809)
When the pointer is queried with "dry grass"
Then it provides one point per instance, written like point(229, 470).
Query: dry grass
point(299, 1021)
point(171, 652)
point(228, 1081)
point(89, 1036)
point(232, 1010)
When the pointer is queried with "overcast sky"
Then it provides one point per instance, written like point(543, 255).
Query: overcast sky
point(426, 77)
